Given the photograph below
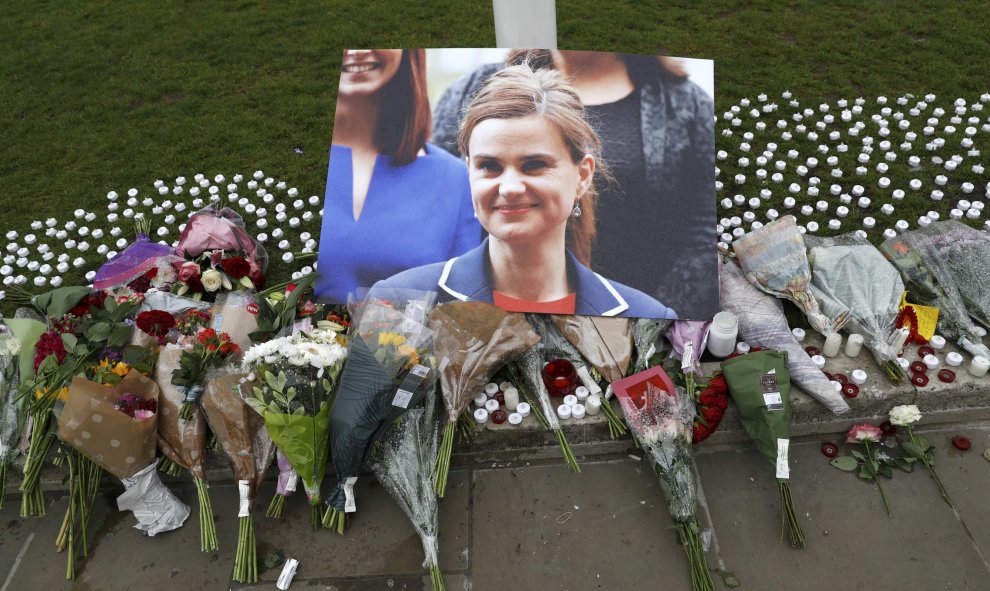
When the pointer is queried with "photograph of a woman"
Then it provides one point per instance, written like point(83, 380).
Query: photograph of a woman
point(532, 159)
point(657, 131)
point(393, 201)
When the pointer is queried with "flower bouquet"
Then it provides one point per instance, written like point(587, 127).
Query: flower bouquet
point(183, 441)
point(762, 324)
point(646, 331)
point(388, 370)
point(471, 340)
point(142, 265)
point(710, 407)
point(760, 386)
point(937, 264)
point(218, 255)
point(80, 326)
point(852, 276)
point(115, 427)
point(607, 344)
point(17, 340)
point(295, 379)
point(774, 259)
point(245, 441)
point(156, 324)
point(688, 338)
point(407, 457)
point(660, 417)
point(277, 311)
point(211, 351)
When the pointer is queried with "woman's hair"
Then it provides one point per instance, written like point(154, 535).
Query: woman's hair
point(404, 118)
point(519, 91)
point(641, 68)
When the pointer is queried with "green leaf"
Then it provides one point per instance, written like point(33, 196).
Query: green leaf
point(97, 332)
point(923, 443)
point(913, 450)
point(905, 463)
point(858, 455)
point(290, 394)
point(845, 463)
point(885, 471)
point(69, 340)
point(299, 412)
point(864, 472)
point(119, 335)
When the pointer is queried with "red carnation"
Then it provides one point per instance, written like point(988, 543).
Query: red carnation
point(50, 343)
point(236, 267)
point(156, 323)
point(700, 432)
point(712, 415)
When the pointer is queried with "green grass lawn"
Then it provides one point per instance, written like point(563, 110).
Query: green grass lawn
point(100, 96)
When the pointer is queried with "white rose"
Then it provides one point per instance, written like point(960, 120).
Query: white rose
point(904, 414)
point(212, 280)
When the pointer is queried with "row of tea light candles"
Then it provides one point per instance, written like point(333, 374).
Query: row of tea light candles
point(488, 404)
point(724, 330)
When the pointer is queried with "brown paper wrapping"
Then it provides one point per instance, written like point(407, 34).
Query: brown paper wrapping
point(240, 431)
point(232, 316)
point(475, 339)
point(605, 342)
point(90, 424)
point(183, 442)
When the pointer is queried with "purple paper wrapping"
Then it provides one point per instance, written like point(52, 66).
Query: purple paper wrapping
point(134, 261)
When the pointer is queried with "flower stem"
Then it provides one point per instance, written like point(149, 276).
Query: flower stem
point(335, 520)
point(789, 520)
point(876, 478)
point(442, 468)
point(168, 467)
point(931, 470)
point(436, 577)
point(615, 426)
point(246, 561)
point(569, 458)
point(3, 481)
point(701, 580)
point(207, 527)
point(276, 507)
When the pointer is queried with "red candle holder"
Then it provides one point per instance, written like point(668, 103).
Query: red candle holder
point(925, 350)
point(850, 390)
point(560, 378)
point(499, 416)
point(919, 367)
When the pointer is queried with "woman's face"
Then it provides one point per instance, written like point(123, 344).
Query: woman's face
point(523, 180)
point(366, 71)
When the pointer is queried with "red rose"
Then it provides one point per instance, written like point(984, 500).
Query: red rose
point(699, 433)
point(712, 415)
point(195, 285)
point(156, 323)
point(721, 403)
point(707, 398)
point(227, 348)
point(205, 334)
point(236, 267)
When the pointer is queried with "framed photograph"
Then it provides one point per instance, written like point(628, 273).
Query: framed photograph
point(565, 182)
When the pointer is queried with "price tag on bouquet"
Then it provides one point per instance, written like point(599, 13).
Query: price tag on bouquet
point(771, 392)
point(409, 385)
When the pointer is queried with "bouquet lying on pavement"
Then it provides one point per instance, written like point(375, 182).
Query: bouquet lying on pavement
point(242, 436)
point(661, 418)
point(295, 379)
point(115, 428)
point(183, 441)
point(852, 276)
point(646, 331)
point(388, 370)
point(407, 457)
point(472, 340)
point(762, 324)
point(760, 386)
point(774, 259)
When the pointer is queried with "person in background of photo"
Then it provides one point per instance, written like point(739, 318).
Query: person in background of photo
point(657, 131)
point(393, 201)
point(532, 159)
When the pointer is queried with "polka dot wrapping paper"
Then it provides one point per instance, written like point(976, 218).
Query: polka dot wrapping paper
point(89, 423)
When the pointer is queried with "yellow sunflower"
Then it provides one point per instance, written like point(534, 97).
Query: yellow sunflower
point(410, 352)
point(390, 338)
point(121, 369)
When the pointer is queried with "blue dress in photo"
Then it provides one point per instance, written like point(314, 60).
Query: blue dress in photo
point(413, 215)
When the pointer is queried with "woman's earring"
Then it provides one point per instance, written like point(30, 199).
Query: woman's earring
point(576, 212)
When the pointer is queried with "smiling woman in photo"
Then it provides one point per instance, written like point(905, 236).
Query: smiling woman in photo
point(393, 201)
point(532, 161)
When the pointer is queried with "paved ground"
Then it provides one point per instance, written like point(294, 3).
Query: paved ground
point(536, 526)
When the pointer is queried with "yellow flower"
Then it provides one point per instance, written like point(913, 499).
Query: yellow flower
point(410, 352)
point(38, 394)
point(121, 369)
point(390, 338)
point(104, 364)
point(63, 394)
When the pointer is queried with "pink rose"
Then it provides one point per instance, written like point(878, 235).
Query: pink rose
point(864, 433)
point(188, 270)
